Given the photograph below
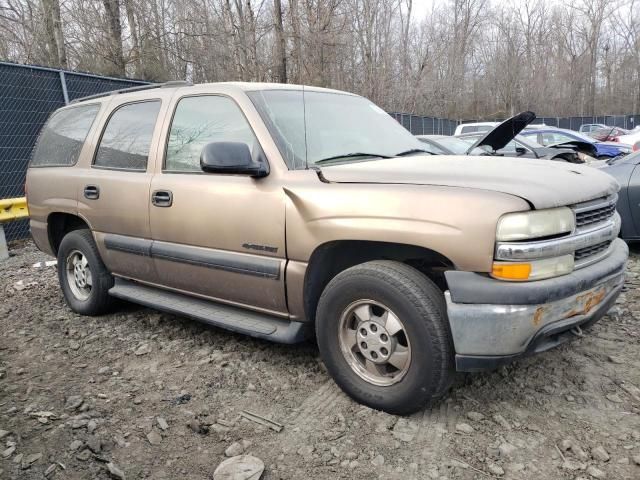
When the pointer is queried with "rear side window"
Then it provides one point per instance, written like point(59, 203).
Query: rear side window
point(63, 136)
point(126, 140)
point(472, 129)
point(201, 120)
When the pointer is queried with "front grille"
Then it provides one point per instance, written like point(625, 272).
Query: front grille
point(582, 253)
point(599, 213)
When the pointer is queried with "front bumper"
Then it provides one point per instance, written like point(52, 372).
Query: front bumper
point(494, 322)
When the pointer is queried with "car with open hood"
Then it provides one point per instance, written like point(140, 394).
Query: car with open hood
point(506, 139)
point(291, 213)
point(553, 136)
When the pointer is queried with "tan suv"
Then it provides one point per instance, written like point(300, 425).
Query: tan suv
point(280, 211)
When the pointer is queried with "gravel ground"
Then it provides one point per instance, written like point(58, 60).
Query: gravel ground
point(151, 395)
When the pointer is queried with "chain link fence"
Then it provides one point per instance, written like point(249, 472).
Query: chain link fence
point(628, 122)
point(420, 125)
point(28, 95)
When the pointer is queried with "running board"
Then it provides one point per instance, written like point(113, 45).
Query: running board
point(239, 320)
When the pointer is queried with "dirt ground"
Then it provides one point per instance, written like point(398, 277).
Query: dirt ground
point(155, 396)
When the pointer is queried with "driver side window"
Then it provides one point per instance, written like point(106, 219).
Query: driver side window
point(201, 120)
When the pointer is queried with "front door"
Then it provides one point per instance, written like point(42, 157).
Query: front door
point(215, 235)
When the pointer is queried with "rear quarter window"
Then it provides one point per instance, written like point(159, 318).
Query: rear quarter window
point(63, 136)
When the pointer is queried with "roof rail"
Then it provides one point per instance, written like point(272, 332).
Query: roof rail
point(172, 83)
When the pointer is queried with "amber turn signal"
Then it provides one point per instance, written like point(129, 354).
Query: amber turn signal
point(511, 271)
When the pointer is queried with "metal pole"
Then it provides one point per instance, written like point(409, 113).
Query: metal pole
point(4, 250)
point(63, 82)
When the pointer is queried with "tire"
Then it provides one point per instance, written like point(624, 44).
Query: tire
point(413, 299)
point(93, 298)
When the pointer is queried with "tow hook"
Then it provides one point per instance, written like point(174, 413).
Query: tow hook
point(577, 331)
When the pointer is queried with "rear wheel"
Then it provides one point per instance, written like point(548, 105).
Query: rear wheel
point(84, 279)
point(383, 334)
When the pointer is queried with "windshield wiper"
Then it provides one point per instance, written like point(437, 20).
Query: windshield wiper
point(350, 155)
point(413, 150)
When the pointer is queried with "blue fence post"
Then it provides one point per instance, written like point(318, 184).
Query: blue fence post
point(63, 84)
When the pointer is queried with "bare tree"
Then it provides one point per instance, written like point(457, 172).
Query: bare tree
point(281, 53)
point(457, 58)
point(112, 8)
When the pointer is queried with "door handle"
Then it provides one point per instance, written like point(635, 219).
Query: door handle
point(91, 192)
point(162, 198)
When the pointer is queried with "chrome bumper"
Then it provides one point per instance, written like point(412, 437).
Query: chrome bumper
point(501, 331)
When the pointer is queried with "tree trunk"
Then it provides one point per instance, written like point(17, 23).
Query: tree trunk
point(136, 50)
point(281, 53)
point(57, 28)
point(112, 8)
point(52, 44)
point(297, 40)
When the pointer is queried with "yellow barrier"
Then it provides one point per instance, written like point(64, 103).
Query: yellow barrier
point(13, 209)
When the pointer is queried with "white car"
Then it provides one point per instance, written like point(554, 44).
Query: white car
point(591, 127)
point(474, 127)
point(631, 138)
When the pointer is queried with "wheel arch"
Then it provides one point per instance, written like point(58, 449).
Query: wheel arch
point(331, 258)
point(61, 223)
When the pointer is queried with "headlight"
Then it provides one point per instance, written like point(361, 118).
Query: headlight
point(533, 270)
point(535, 224)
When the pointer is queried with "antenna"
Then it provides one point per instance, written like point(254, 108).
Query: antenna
point(304, 119)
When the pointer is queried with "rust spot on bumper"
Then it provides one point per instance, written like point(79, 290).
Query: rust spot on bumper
point(588, 301)
point(537, 316)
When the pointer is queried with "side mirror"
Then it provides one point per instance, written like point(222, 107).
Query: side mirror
point(231, 158)
point(521, 150)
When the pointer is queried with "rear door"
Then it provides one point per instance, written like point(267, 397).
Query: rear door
point(113, 191)
point(217, 235)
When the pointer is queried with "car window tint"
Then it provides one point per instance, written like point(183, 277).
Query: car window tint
point(202, 120)
point(127, 137)
point(63, 136)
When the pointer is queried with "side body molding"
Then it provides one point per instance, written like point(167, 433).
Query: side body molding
point(217, 259)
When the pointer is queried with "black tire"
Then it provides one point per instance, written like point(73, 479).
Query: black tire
point(98, 301)
point(420, 306)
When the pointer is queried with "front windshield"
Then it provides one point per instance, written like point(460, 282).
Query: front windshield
point(316, 126)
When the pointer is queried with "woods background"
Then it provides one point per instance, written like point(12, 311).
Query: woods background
point(456, 58)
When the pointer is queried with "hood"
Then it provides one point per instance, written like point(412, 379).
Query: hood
point(505, 132)
point(543, 184)
point(577, 145)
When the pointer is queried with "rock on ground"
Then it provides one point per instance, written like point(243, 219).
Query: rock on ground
point(242, 467)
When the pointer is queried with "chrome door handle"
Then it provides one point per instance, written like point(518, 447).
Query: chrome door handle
point(162, 198)
point(91, 192)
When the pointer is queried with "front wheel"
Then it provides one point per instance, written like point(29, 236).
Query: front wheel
point(84, 279)
point(383, 334)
